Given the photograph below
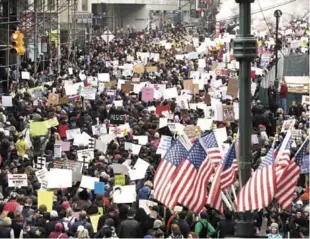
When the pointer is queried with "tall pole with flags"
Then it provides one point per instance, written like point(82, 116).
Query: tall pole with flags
point(245, 51)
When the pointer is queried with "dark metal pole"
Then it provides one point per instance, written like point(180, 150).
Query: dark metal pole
point(245, 51)
point(277, 15)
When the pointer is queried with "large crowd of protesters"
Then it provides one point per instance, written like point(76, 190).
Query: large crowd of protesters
point(21, 215)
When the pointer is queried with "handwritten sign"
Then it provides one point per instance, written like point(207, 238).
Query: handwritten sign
point(119, 180)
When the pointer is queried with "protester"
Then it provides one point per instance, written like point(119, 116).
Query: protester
point(107, 122)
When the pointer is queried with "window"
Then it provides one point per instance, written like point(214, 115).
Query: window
point(84, 5)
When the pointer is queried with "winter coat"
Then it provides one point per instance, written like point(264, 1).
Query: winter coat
point(130, 228)
point(144, 193)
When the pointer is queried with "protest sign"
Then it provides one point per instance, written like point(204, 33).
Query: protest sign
point(287, 125)
point(17, 180)
point(124, 194)
point(151, 69)
point(25, 75)
point(139, 170)
point(160, 109)
point(120, 168)
point(228, 113)
point(53, 99)
point(119, 179)
point(99, 129)
point(94, 219)
point(88, 182)
point(117, 118)
point(164, 145)
point(72, 133)
point(138, 69)
point(52, 122)
point(57, 150)
point(41, 174)
point(147, 94)
point(142, 139)
point(75, 166)
point(104, 77)
point(7, 101)
point(46, 198)
point(38, 128)
point(205, 124)
point(305, 165)
point(59, 178)
point(89, 93)
point(65, 145)
point(191, 131)
point(232, 88)
point(86, 155)
point(127, 87)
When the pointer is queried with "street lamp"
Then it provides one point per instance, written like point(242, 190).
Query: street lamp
point(277, 14)
point(245, 50)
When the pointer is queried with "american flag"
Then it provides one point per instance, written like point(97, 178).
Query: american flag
point(259, 190)
point(185, 175)
point(269, 159)
point(165, 170)
point(289, 178)
point(223, 178)
point(197, 195)
point(215, 155)
point(228, 175)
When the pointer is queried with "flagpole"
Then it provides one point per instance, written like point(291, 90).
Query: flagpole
point(301, 146)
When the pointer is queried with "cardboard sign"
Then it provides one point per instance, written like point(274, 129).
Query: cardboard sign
point(119, 180)
point(127, 87)
point(147, 94)
point(232, 88)
point(17, 180)
point(53, 99)
point(228, 113)
point(160, 109)
point(117, 118)
point(188, 85)
point(151, 69)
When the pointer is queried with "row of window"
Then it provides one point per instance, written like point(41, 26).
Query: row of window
point(51, 5)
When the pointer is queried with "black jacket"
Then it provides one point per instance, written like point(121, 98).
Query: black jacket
point(130, 228)
point(226, 229)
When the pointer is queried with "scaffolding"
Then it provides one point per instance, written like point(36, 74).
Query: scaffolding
point(40, 23)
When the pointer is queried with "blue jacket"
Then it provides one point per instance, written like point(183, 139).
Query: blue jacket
point(144, 193)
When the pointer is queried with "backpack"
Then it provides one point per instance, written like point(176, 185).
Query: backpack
point(204, 230)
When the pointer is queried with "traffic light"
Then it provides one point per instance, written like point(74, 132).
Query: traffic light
point(17, 39)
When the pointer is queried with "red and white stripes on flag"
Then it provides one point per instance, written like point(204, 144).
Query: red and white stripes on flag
point(259, 191)
point(162, 182)
point(215, 155)
point(286, 185)
point(215, 199)
point(228, 177)
point(196, 200)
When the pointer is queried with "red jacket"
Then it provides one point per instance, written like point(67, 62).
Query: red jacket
point(11, 206)
point(283, 91)
point(62, 129)
point(57, 235)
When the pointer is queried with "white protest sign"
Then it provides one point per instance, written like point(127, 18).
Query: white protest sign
point(57, 150)
point(89, 93)
point(25, 75)
point(120, 168)
point(146, 205)
point(254, 139)
point(70, 70)
point(139, 170)
point(205, 124)
point(124, 194)
point(164, 145)
point(82, 139)
point(99, 129)
point(142, 139)
point(88, 154)
point(88, 182)
point(59, 178)
point(170, 93)
point(41, 175)
point(104, 77)
point(287, 125)
point(305, 99)
point(7, 101)
point(17, 180)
